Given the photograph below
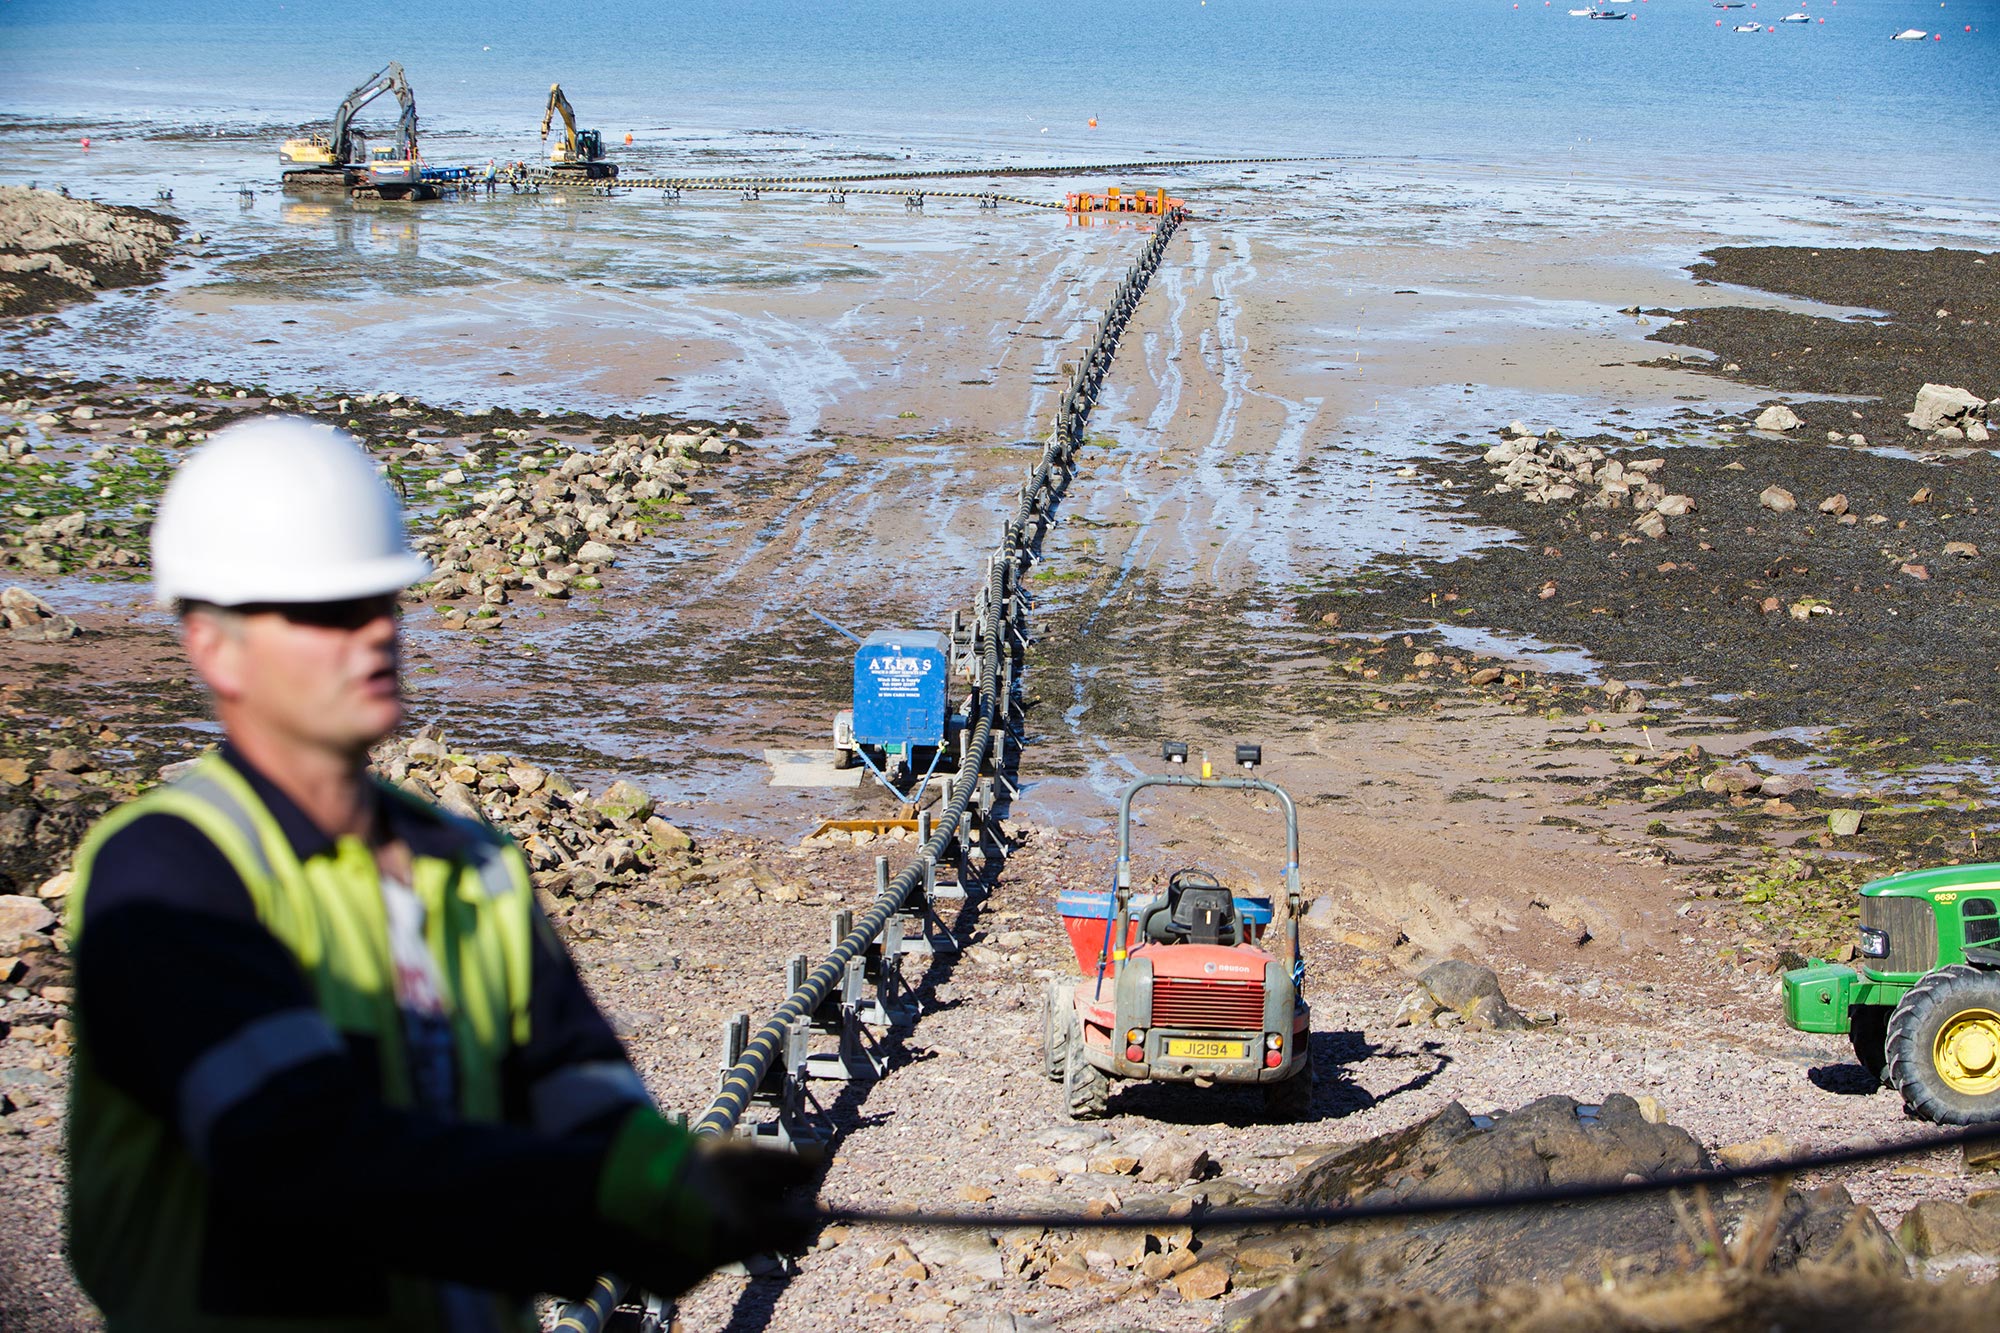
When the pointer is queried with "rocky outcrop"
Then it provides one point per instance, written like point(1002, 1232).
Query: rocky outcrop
point(55, 250)
point(1816, 1297)
point(30, 619)
point(1552, 1142)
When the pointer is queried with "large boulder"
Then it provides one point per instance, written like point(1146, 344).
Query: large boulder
point(622, 802)
point(1941, 405)
point(1469, 990)
point(1551, 1142)
point(1938, 1228)
point(1881, 1299)
point(1778, 417)
point(20, 918)
point(28, 617)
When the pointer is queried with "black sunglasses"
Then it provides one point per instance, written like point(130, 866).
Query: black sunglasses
point(349, 613)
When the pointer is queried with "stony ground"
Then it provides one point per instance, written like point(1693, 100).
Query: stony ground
point(1573, 836)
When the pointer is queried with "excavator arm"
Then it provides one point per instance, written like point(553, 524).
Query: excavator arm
point(387, 79)
point(406, 124)
point(559, 106)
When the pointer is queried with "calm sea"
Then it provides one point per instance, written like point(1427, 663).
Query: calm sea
point(1667, 96)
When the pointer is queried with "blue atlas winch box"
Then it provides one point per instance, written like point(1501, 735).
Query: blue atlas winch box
point(901, 680)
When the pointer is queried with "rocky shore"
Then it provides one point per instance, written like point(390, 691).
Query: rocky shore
point(1637, 856)
point(55, 250)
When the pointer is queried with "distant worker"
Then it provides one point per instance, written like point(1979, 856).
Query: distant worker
point(334, 1069)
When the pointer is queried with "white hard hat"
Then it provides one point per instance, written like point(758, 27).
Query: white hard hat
point(280, 509)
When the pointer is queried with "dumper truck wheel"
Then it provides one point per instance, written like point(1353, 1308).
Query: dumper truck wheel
point(1868, 1031)
point(1058, 1013)
point(1086, 1088)
point(1944, 1047)
point(1292, 1099)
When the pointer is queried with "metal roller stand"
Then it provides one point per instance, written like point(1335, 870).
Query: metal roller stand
point(857, 1057)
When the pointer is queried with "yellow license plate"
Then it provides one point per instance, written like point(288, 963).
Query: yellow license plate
point(1198, 1049)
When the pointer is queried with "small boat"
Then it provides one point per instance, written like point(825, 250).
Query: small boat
point(1909, 35)
point(1728, 4)
point(1749, 27)
point(1581, 13)
point(1610, 14)
point(1800, 17)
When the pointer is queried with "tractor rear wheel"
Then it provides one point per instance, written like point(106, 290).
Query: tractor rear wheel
point(1058, 1014)
point(1944, 1047)
point(1086, 1088)
point(1868, 1032)
point(1292, 1099)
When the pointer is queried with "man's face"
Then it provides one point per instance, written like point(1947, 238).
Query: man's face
point(323, 673)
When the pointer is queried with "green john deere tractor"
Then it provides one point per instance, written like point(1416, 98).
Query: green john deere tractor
point(1921, 1002)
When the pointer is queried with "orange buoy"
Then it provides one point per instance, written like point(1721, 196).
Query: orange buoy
point(1093, 122)
point(628, 138)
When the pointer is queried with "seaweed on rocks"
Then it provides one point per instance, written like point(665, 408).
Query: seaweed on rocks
point(1932, 320)
point(55, 250)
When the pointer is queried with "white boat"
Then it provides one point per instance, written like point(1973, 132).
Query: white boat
point(1795, 18)
point(1909, 35)
point(1581, 13)
point(1610, 14)
point(1749, 27)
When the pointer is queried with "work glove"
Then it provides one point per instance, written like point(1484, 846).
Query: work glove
point(694, 1204)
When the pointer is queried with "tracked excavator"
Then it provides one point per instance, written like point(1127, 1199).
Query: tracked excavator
point(579, 153)
point(343, 159)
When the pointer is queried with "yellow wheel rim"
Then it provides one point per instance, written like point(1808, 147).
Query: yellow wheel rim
point(1967, 1052)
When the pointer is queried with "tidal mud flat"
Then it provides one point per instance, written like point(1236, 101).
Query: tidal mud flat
point(1465, 797)
point(1827, 592)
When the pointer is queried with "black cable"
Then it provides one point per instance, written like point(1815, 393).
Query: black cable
point(997, 674)
point(1325, 1215)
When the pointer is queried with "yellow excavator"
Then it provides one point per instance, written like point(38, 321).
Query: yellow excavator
point(578, 153)
point(341, 158)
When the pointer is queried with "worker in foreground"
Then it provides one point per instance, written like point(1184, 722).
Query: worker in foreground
point(333, 1067)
